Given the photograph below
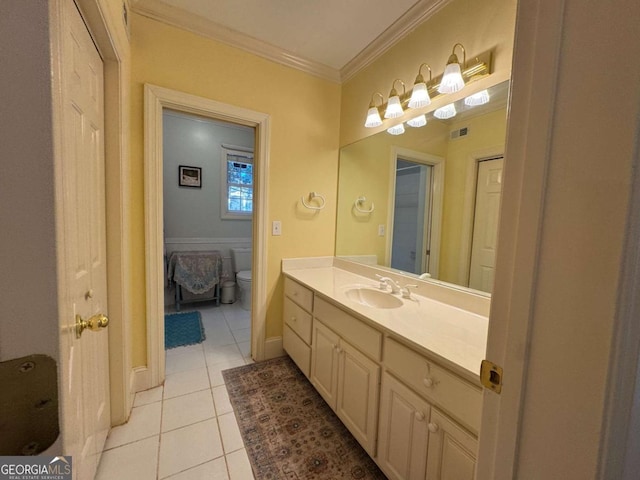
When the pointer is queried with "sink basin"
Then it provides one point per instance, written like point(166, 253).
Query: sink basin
point(371, 297)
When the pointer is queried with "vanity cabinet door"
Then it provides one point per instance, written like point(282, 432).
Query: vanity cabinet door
point(324, 362)
point(357, 400)
point(403, 433)
point(452, 451)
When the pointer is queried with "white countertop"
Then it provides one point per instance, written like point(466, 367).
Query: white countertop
point(451, 335)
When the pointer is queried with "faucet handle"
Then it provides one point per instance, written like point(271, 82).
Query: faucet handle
point(383, 282)
point(406, 293)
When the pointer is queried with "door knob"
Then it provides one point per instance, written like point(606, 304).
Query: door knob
point(95, 322)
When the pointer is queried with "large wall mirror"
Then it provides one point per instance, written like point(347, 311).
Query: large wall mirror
point(427, 202)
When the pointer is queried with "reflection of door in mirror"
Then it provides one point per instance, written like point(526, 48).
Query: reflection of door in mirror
point(412, 216)
point(415, 211)
point(485, 224)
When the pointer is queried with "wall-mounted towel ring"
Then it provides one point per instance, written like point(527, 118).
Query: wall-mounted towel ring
point(313, 195)
point(360, 201)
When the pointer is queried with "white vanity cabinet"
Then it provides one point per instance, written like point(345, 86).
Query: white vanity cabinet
point(297, 316)
point(346, 378)
point(416, 417)
point(416, 439)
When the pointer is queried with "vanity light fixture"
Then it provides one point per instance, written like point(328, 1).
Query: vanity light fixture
point(419, 121)
point(476, 99)
point(396, 129)
point(373, 115)
point(448, 111)
point(394, 107)
point(452, 80)
point(420, 93)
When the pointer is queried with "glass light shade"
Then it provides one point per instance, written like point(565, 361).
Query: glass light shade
point(419, 121)
point(476, 99)
point(394, 109)
point(419, 96)
point(373, 118)
point(452, 79)
point(396, 129)
point(445, 112)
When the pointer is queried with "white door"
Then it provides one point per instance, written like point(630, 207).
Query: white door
point(84, 359)
point(485, 224)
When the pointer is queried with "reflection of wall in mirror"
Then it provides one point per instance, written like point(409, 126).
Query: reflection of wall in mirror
point(365, 169)
point(486, 133)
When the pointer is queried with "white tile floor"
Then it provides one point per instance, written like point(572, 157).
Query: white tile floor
point(186, 429)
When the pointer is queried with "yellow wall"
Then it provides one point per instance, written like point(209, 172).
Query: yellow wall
point(479, 26)
point(305, 116)
point(486, 133)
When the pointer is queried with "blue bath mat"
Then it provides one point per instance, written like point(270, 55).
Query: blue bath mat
point(182, 329)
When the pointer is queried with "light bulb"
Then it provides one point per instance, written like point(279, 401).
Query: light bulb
point(419, 96)
point(445, 112)
point(452, 79)
point(419, 121)
point(476, 99)
point(396, 129)
point(394, 109)
point(373, 118)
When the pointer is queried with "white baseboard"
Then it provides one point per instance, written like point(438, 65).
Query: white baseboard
point(273, 348)
point(141, 379)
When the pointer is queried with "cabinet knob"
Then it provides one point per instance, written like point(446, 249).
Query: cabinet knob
point(419, 416)
point(428, 382)
point(433, 427)
point(293, 319)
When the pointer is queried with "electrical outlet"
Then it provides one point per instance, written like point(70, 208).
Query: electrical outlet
point(276, 227)
point(381, 230)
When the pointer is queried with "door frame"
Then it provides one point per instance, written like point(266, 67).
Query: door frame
point(155, 100)
point(111, 47)
point(437, 201)
point(538, 39)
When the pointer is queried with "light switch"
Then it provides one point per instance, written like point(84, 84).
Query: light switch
point(276, 228)
point(381, 230)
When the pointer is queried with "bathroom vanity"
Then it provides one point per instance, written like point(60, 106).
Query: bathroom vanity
point(401, 373)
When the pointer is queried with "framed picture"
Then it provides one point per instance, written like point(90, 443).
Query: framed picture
point(190, 176)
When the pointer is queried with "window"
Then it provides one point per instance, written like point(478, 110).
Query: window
point(237, 186)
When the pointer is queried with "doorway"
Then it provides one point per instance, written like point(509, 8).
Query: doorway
point(207, 220)
point(412, 217)
point(157, 99)
point(415, 212)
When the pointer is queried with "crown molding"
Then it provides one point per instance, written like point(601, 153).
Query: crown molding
point(413, 17)
point(182, 19)
point(193, 23)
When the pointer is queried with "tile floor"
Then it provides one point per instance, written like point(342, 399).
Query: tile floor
point(186, 429)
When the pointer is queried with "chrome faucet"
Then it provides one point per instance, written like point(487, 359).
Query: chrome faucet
point(386, 281)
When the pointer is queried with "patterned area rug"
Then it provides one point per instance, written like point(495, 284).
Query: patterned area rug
point(290, 433)
point(182, 329)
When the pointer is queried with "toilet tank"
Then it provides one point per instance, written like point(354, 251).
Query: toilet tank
point(241, 259)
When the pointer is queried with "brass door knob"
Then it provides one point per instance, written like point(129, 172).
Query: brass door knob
point(94, 323)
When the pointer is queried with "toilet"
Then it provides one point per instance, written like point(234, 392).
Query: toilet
point(241, 259)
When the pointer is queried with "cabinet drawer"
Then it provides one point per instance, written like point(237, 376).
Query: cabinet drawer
point(299, 294)
point(298, 320)
point(367, 339)
point(299, 351)
point(461, 399)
